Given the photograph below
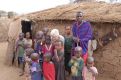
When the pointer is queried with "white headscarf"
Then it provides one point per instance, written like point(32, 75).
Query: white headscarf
point(55, 33)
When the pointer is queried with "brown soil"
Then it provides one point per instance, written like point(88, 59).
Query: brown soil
point(108, 61)
point(6, 72)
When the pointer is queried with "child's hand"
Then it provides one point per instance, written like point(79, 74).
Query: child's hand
point(74, 58)
point(94, 71)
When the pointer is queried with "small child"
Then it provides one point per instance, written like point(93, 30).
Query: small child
point(48, 67)
point(59, 60)
point(27, 58)
point(38, 42)
point(35, 67)
point(68, 47)
point(89, 71)
point(48, 47)
point(38, 46)
point(45, 31)
point(20, 48)
point(76, 64)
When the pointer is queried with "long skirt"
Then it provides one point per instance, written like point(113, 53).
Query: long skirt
point(67, 59)
point(59, 70)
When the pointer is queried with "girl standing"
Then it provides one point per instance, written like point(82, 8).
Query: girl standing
point(48, 67)
point(59, 60)
point(35, 67)
point(20, 47)
point(68, 48)
point(48, 47)
point(89, 71)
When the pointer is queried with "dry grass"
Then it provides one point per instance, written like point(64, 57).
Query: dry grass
point(94, 12)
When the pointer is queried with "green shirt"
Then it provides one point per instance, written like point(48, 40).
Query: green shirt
point(76, 66)
point(68, 44)
point(20, 48)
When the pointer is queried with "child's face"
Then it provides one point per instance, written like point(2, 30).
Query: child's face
point(39, 35)
point(90, 64)
point(27, 35)
point(45, 31)
point(46, 59)
point(68, 30)
point(58, 45)
point(21, 37)
point(78, 54)
point(48, 40)
point(55, 38)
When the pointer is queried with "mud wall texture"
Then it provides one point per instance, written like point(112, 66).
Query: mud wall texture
point(4, 29)
point(108, 61)
point(101, 28)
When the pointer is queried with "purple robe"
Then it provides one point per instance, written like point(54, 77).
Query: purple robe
point(84, 33)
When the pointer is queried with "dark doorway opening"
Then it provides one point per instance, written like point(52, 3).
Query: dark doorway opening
point(26, 26)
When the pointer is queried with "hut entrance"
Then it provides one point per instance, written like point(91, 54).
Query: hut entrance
point(26, 26)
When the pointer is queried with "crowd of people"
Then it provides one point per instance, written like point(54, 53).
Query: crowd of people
point(51, 56)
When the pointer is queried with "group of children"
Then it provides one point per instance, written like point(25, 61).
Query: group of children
point(51, 57)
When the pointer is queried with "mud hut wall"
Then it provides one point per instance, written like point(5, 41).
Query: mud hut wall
point(101, 28)
point(108, 60)
point(4, 29)
point(51, 25)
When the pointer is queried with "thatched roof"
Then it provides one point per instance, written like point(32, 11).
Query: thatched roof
point(94, 12)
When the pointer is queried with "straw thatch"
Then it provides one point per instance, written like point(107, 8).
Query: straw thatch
point(94, 12)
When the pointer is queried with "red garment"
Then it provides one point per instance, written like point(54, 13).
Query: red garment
point(46, 49)
point(48, 71)
point(85, 58)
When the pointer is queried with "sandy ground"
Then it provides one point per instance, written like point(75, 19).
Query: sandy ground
point(7, 73)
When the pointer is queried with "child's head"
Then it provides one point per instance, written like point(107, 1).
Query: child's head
point(45, 30)
point(90, 61)
point(58, 45)
point(39, 35)
point(21, 36)
point(28, 35)
point(47, 57)
point(48, 39)
point(34, 56)
point(78, 51)
point(68, 30)
point(29, 51)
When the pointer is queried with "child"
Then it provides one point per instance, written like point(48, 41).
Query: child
point(48, 67)
point(38, 42)
point(76, 64)
point(35, 67)
point(48, 47)
point(27, 58)
point(20, 47)
point(45, 31)
point(89, 71)
point(59, 60)
point(28, 40)
point(67, 48)
point(38, 45)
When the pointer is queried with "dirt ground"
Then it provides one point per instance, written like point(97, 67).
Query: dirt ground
point(108, 62)
point(6, 72)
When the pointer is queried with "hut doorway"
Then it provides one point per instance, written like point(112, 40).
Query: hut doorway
point(26, 26)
